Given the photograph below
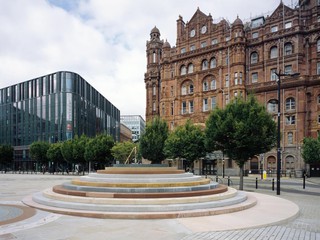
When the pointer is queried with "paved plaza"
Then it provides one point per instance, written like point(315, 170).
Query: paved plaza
point(21, 222)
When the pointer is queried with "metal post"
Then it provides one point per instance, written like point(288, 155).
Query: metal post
point(223, 168)
point(272, 184)
point(256, 183)
point(304, 181)
point(217, 179)
point(278, 140)
point(228, 180)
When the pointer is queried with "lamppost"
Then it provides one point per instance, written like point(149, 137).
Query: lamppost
point(279, 74)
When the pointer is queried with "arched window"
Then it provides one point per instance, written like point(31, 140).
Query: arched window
point(290, 163)
point(205, 86)
point(183, 70)
point(254, 57)
point(290, 138)
point(204, 64)
point(213, 63)
point(273, 52)
point(191, 88)
point(288, 49)
point(153, 89)
point(183, 90)
point(190, 68)
point(272, 105)
point(290, 103)
point(213, 84)
point(318, 45)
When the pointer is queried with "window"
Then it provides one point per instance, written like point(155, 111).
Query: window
point(154, 106)
point(184, 90)
point(154, 90)
point(290, 120)
point(288, 69)
point(288, 25)
point(254, 57)
point(183, 50)
point(214, 41)
point(203, 44)
point(227, 98)
point(171, 91)
point(318, 118)
point(154, 55)
point(318, 68)
point(190, 68)
point(213, 84)
point(191, 88)
point(191, 106)
point(318, 99)
point(254, 77)
point(227, 81)
point(273, 76)
point(205, 105)
point(228, 38)
point(204, 64)
point(272, 105)
point(205, 86)
point(236, 78)
point(290, 138)
point(274, 29)
point(255, 35)
point(290, 104)
point(183, 70)
point(287, 49)
point(192, 47)
point(318, 45)
point(183, 108)
point(172, 109)
point(213, 103)
point(227, 59)
point(273, 52)
point(213, 63)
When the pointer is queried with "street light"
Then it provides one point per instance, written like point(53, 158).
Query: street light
point(279, 74)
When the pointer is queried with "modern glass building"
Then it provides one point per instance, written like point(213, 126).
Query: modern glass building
point(54, 107)
point(135, 123)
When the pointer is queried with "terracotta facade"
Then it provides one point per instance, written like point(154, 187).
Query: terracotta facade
point(213, 62)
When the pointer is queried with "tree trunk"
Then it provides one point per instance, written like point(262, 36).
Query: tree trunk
point(241, 178)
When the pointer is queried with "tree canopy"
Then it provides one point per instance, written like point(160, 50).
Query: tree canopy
point(152, 141)
point(121, 151)
point(38, 151)
point(311, 150)
point(187, 142)
point(242, 130)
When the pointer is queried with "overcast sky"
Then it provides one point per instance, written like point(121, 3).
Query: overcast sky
point(102, 40)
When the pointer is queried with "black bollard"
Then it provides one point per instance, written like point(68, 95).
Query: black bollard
point(217, 179)
point(228, 180)
point(256, 183)
point(272, 184)
point(304, 181)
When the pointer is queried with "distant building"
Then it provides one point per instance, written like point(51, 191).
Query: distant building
point(215, 61)
point(125, 133)
point(136, 123)
point(55, 107)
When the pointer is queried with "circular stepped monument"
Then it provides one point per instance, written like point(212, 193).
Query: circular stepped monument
point(141, 192)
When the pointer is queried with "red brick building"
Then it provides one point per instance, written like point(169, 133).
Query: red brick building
point(213, 62)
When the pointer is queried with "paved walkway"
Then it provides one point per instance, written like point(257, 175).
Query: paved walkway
point(43, 225)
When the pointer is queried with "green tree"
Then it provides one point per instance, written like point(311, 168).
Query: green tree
point(54, 153)
point(242, 130)
point(38, 151)
point(186, 141)
point(67, 151)
point(121, 150)
point(6, 156)
point(311, 150)
point(152, 141)
point(98, 150)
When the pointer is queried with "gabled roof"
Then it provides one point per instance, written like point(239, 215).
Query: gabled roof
point(280, 9)
point(197, 15)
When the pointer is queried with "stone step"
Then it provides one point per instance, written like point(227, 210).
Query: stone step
point(41, 199)
point(139, 184)
point(61, 190)
point(115, 175)
point(49, 193)
point(71, 186)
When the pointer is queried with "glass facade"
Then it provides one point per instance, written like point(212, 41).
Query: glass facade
point(53, 108)
point(135, 123)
